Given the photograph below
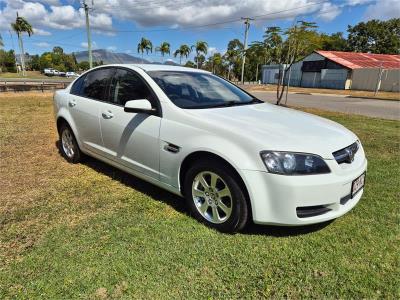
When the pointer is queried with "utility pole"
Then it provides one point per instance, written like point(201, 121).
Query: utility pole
point(247, 26)
point(89, 38)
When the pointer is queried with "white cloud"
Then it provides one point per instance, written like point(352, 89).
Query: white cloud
point(329, 11)
point(212, 50)
point(55, 16)
point(38, 31)
point(112, 48)
point(42, 44)
point(85, 45)
point(383, 10)
point(174, 14)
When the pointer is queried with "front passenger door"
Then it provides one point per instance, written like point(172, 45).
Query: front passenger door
point(131, 139)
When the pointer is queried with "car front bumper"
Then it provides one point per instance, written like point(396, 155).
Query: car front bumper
point(301, 200)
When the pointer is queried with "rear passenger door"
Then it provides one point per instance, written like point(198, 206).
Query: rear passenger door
point(131, 139)
point(84, 105)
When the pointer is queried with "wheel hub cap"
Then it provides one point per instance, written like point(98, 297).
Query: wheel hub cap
point(212, 197)
point(67, 143)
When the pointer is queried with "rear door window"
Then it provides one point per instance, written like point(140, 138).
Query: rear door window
point(96, 83)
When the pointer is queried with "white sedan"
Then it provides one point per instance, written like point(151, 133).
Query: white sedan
point(232, 157)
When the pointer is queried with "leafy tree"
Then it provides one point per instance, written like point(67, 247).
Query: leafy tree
point(375, 36)
point(7, 61)
point(58, 50)
point(233, 57)
point(274, 43)
point(200, 47)
point(84, 65)
point(199, 60)
point(334, 42)
point(190, 64)
point(183, 51)
point(20, 26)
point(164, 48)
point(145, 45)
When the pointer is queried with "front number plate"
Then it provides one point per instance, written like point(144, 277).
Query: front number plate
point(357, 185)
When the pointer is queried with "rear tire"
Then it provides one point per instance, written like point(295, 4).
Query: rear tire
point(215, 196)
point(68, 146)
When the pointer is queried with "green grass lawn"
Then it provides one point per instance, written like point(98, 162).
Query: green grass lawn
point(91, 231)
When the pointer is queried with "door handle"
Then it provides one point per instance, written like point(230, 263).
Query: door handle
point(72, 103)
point(107, 114)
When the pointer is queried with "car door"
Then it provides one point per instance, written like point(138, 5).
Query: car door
point(84, 105)
point(131, 139)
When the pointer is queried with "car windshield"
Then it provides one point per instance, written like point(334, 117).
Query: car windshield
point(200, 90)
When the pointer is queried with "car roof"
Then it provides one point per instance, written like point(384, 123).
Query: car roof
point(159, 67)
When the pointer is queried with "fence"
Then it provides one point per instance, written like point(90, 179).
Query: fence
point(23, 86)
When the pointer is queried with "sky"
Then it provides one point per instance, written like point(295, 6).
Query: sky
point(118, 25)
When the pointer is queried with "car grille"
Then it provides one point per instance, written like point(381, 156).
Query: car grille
point(346, 155)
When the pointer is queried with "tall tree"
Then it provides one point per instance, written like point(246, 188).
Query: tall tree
point(1, 41)
point(183, 51)
point(274, 43)
point(375, 36)
point(233, 57)
point(334, 42)
point(20, 26)
point(145, 45)
point(164, 48)
point(200, 47)
point(58, 50)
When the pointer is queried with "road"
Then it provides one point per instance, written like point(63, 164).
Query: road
point(384, 109)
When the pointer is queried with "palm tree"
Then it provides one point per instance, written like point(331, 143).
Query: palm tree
point(145, 45)
point(184, 50)
point(1, 41)
point(200, 47)
point(164, 49)
point(20, 26)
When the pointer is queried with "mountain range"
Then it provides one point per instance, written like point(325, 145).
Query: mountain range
point(108, 57)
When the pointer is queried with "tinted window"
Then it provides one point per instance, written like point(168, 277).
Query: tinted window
point(95, 84)
point(127, 85)
point(199, 90)
point(76, 89)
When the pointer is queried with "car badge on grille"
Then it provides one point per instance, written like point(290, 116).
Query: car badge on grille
point(350, 154)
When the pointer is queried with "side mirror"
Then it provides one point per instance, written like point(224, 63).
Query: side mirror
point(139, 106)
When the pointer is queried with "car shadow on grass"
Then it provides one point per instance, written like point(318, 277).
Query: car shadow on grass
point(179, 205)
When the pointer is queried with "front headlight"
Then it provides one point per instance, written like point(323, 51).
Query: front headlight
point(288, 163)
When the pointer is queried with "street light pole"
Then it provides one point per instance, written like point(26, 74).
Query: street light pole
point(247, 26)
point(89, 38)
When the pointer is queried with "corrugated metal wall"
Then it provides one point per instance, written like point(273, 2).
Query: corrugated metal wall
point(333, 78)
point(367, 79)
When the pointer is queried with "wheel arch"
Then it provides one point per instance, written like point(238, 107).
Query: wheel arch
point(65, 118)
point(198, 155)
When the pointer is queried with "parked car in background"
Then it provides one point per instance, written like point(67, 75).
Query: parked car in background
point(49, 71)
point(62, 74)
point(71, 74)
point(233, 157)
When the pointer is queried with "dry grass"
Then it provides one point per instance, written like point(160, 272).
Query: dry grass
point(352, 93)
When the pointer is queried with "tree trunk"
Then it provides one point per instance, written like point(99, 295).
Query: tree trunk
point(180, 60)
point(22, 54)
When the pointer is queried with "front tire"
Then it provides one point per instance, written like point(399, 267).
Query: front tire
point(215, 196)
point(68, 146)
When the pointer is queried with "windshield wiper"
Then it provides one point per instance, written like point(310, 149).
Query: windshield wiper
point(234, 103)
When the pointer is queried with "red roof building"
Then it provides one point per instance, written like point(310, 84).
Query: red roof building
point(354, 60)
